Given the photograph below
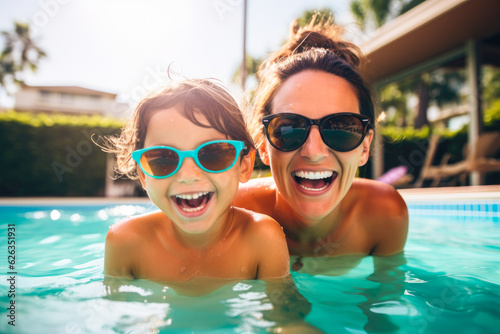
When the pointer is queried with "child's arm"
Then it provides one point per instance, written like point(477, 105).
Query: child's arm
point(119, 252)
point(269, 243)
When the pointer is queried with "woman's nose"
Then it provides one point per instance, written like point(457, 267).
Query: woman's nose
point(314, 148)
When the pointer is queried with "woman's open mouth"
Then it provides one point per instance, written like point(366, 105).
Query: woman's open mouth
point(314, 183)
point(192, 204)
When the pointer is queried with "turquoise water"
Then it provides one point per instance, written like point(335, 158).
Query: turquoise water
point(448, 281)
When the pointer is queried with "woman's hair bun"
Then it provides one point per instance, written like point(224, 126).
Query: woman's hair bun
point(319, 33)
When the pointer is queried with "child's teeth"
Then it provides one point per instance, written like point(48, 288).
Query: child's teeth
point(191, 196)
point(314, 175)
point(193, 209)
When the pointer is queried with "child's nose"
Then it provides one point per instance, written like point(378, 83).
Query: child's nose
point(189, 171)
point(314, 148)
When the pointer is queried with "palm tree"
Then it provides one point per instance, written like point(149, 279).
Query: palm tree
point(394, 102)
point(253, 63)
point(318, 15)
point(7, 70)
point(252, 66)
point(438, 86)
point(372, 14)
point(19, 53)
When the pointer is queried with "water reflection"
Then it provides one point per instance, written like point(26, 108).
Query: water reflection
point(396, 295)
point(207, 303)
point(348, 292)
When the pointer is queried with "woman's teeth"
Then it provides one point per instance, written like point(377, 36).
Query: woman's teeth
point(314, 181)
point(314, 175)
point(315, 189)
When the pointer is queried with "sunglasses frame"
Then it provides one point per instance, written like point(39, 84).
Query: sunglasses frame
point(365, 121)
point(237, 144)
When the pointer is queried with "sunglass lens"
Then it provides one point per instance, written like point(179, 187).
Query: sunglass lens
point(160, 162)
point(343, 133)
point(287, 132)
point(217, 157)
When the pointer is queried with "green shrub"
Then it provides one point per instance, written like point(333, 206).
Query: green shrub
point(492, 115)
point(53, 155)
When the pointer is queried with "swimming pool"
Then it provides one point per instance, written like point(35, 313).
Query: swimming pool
point(447, 282)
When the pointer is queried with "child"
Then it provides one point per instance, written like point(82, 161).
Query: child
point(189, 147)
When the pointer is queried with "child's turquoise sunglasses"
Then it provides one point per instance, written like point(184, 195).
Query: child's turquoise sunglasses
point(215, 156)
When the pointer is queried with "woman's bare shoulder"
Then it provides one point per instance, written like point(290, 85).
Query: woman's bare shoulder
point(257, 194)
point(377, 196)
point(260, 183)
point(383, 213)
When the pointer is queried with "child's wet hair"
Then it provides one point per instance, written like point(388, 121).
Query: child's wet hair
point(192, 97)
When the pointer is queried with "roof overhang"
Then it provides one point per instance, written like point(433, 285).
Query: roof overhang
point(427, 31)
point(70, 89)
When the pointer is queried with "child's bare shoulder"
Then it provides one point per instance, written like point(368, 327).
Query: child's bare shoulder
point(133, 229)
point(266, 239)
point(259, 225)
point(124, 242)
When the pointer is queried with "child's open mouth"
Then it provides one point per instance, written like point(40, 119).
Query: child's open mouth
point(314, 182)
point(193, 204)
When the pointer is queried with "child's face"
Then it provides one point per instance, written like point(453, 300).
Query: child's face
point(196, 201)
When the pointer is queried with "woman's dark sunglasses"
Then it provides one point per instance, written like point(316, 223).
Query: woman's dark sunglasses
point(341, 132)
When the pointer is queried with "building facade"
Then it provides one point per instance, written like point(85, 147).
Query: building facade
point(65, 99)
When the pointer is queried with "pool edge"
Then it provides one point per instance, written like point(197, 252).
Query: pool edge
point(409, 194)
point(451, 193)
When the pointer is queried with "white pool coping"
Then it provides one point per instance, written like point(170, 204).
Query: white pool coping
point(74, 200)
point(490, 192)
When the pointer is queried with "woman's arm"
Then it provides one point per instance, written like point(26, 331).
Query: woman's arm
point(382, 214)
point(391, 224)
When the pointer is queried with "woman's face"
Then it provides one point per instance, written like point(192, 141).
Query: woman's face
point(314, 178)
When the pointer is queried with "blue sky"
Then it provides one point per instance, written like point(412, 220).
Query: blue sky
point(126, 46)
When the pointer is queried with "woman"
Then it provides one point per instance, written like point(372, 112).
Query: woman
point(313, 125)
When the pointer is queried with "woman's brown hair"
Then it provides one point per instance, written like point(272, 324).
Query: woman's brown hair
point(192, 97)
point(317, 46)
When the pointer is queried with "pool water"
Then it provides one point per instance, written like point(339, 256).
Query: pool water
point(448, 281)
